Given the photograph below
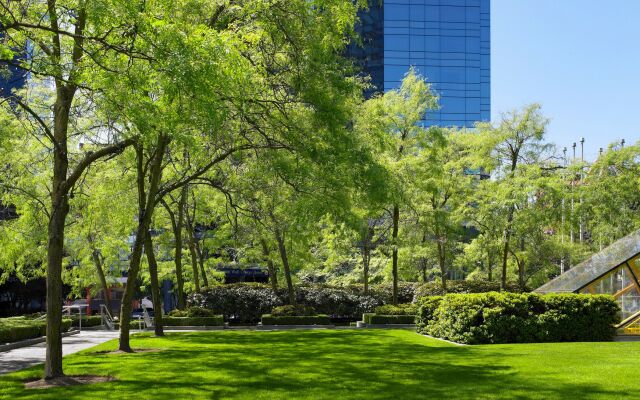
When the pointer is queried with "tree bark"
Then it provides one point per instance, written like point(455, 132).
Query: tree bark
point(97, 261)
point(158, 325)
point(394, 241)
point(146, 206)
point(505, 249)
point(285, 264)
point(273, 278)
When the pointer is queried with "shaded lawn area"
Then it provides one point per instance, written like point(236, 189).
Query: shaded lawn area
point(342, 364)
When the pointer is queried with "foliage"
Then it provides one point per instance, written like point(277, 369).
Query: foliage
point(519, 318)
point(381, 319)
point(293, 310)
point(87, 321)
point(217, 320)
point(14, 329)
point(471, 286)
point(237, 302)
point(319, 319)
point(400, 309)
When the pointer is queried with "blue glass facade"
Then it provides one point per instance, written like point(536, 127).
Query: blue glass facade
point(447, 41)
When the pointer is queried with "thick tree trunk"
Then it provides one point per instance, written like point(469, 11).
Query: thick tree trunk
point(366, 256)
point(146, 205)
point(194, 262)
point(97, 261)
point(155, 286)
point(394, 241)
point(285, 264)
point(60, 209)
point(200, 254)
point(273, 278)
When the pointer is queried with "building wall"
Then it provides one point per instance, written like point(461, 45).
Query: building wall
point(447, 41)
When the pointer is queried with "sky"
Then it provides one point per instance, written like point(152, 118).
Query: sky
point(580, 59)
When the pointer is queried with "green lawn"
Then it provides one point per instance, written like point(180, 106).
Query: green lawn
point(344, 364)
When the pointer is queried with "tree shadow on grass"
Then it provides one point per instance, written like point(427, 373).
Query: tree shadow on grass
point(305, 364)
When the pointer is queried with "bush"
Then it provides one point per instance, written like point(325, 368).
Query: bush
point(376, 319)
point(177, 313)
point(435, 288)
point(87, 321)
point(426, 310)
point(240, 302)
point(291, 311)
point(333, 301)
point(20, 328)
point(269, 319)
point(400, 309)
point(217, 320)
point(518, 318)
point(200, 312)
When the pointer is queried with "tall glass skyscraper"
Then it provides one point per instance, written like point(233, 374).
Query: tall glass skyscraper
point(447, 41)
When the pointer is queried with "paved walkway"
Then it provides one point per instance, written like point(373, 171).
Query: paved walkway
point(14, 360)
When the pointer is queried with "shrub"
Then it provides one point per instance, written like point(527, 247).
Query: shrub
point(518, 318)
point(269, 319)
point(21, 328)
point(336, 302)
point(426, 310)
point(240, 302)
point(87, 321)
point(435, 288)
point(400, 309)
point(376, 319)
point(177, 313)
point(217, 320)
point(200, 312)
point(290, 311)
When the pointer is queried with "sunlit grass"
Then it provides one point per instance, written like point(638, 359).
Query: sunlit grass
point(343, 364)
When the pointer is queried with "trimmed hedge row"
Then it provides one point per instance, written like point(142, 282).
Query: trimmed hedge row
point(518, 318)
point(377, 319)
point(400, 309)
point(218, 320)
point(269, 319)
point(19, 328)
point(435, 288)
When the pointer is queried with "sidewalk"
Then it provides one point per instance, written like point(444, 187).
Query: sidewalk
point(17, 359)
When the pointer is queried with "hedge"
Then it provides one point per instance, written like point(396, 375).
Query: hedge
point(518, 318)
point(19, 328)
point(400, 309)
point(218, 320)
point(87, 321)
point(269, 319)
point(435, 288)
point(377, 319)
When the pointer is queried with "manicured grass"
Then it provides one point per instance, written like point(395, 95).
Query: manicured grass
point(344, 364)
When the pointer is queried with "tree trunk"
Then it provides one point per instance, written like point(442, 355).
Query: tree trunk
point(394, 241)
point(59, 211)
point(155, 286)
point(55, 246)
point(489, 266)
point(146, 206)
point(273, 278)
point(366, 256)
point(200, 254)
point(285, 264)
point(97, 261)
point(194, 262)
point(442, 262)
point(505, 250)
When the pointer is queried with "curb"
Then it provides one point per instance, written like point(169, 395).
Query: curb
point(31, 342)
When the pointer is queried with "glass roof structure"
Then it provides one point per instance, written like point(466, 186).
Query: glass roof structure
point(614, 270)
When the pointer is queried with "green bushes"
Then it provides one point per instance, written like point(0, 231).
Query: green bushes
point(435, 288)
point(377, 319)
point(240, 302)
point(400, 309)
point(193, 312)
point(217, 320)
point(20, 328)
point(269, 319)
point(518, 318)
point(87, 321)
point(291, 311)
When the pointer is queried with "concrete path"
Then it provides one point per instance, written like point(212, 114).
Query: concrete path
point(17, 359)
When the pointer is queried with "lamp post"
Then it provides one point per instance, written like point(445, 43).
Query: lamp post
point(564, 162)
point(581, 178)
